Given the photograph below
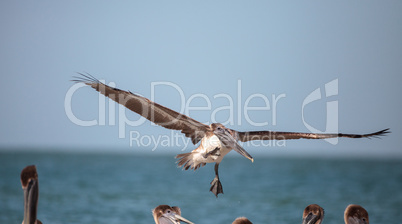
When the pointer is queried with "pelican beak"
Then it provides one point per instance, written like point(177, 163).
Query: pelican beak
point(229, 141)
point(310, 219)
point(173, 217)
point(31, 195)
point(355, 220)
point(242, 151)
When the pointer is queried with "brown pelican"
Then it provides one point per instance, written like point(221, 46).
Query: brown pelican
point(356, 214)
point(313, 214)
point(216, 140)
point(164, 214)
point(30, 186)
point(242, 220)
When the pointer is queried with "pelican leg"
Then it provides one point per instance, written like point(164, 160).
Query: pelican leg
point(216, 186)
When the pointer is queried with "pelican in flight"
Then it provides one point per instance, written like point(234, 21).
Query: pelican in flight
point(242, 220)
point(30, 186)
point(356, 214)
point(313, 214)
point(215, 140)
point(164, 214)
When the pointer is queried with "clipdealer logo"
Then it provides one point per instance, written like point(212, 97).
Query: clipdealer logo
point(242, 109)
point(331, 89)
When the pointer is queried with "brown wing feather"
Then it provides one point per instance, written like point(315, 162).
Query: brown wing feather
point(274, 135)
point(152, 111)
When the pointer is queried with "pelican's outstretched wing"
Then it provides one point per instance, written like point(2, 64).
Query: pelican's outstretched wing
point(152, 111)
point(274, 135)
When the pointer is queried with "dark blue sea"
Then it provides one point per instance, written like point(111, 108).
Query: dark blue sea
point(124, 188)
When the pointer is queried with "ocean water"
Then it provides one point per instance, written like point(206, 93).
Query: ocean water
point(124, 188)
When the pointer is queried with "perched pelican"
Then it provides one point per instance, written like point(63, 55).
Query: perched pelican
point(242, 220)
point(164, 214)
point(313, 214)
point(30, 186)
point(356, 214)
point(216, 140)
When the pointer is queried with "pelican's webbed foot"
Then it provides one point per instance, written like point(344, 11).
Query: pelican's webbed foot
point(216, 186)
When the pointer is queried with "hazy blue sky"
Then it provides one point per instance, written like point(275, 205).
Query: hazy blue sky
point(211, 50)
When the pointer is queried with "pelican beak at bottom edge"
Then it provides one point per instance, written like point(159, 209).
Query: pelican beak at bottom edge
point(310, 219)
point(173, 217)
point(355, 220)
point(31, 195)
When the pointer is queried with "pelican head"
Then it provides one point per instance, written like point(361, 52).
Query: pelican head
point(242, 220)
point(30, 186)
point(164, 214)
point(225, 135)
point(313, 214)
point(356, 214)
